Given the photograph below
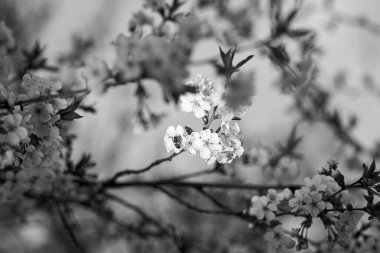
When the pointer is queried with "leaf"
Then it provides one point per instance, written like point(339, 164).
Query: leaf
point(291, 16)
point(339, 178)
point(241, 63)
point(71, 116)
point(279, 55)
point(223, 56)
point(189, 130)
point(69, 113)
point(365, 170)
point(227, 58)
point(372, 167)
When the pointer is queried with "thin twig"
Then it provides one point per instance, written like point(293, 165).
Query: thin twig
point(231, 186)
point(137, 210)
point(70, 231)
point(139, 171)
point(192, 175)
point(214, 200)
point(197, 209)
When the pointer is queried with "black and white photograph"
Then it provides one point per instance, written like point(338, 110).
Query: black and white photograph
point(189, 126)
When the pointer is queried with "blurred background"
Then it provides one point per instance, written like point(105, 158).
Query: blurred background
point(350, 59)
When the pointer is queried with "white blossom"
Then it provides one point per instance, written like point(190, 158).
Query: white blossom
point(194, 103)
point(210, 143)
point(261, 208)
point(174, 139)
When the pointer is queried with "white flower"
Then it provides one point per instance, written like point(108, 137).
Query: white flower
point(207, 89)
point(194, 103)
point(274, 197)
point(230, 131)
point(277, 239)
point(314, 208)
point(174, 139)
point(346, 225)
point(315, 184)
point(40, 112)
point(193, 143)
point(313, 203)
point(330, 184)
point(261, 208)
point(15, 131)
point(6, 158)
point(287, 193)
point(296, 203)
point(230, 128)
point(229, 153)
point(210, 143)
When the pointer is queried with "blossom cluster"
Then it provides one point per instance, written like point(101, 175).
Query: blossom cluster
point(225, 104)
point(320, 197)
point(222, 145)
point(312, 199)
point(161, 55)
point(31, 143)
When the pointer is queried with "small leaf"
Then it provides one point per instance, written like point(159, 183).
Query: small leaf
point(365, 170)
point(372, 167)
point(291, 16)
point(241, 63)
point(189, 130)
point(223, 56)
point(339, 178)
point(279, 55)
point(70, 116)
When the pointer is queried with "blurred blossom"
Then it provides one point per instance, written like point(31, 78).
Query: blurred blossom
point(191, 29)
point(154, 4)
point(7, 41)
point(278, 241)
point(238, 96)
point(6, 158)
point(13, 125)
point(285, 171)
point(34, 235)
point(153, 57)
point(346, 225)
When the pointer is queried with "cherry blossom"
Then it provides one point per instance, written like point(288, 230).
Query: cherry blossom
point(261, 208)
point(174, 139)
point(194, 103)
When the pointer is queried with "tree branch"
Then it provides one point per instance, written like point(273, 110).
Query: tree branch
point(122, 173)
